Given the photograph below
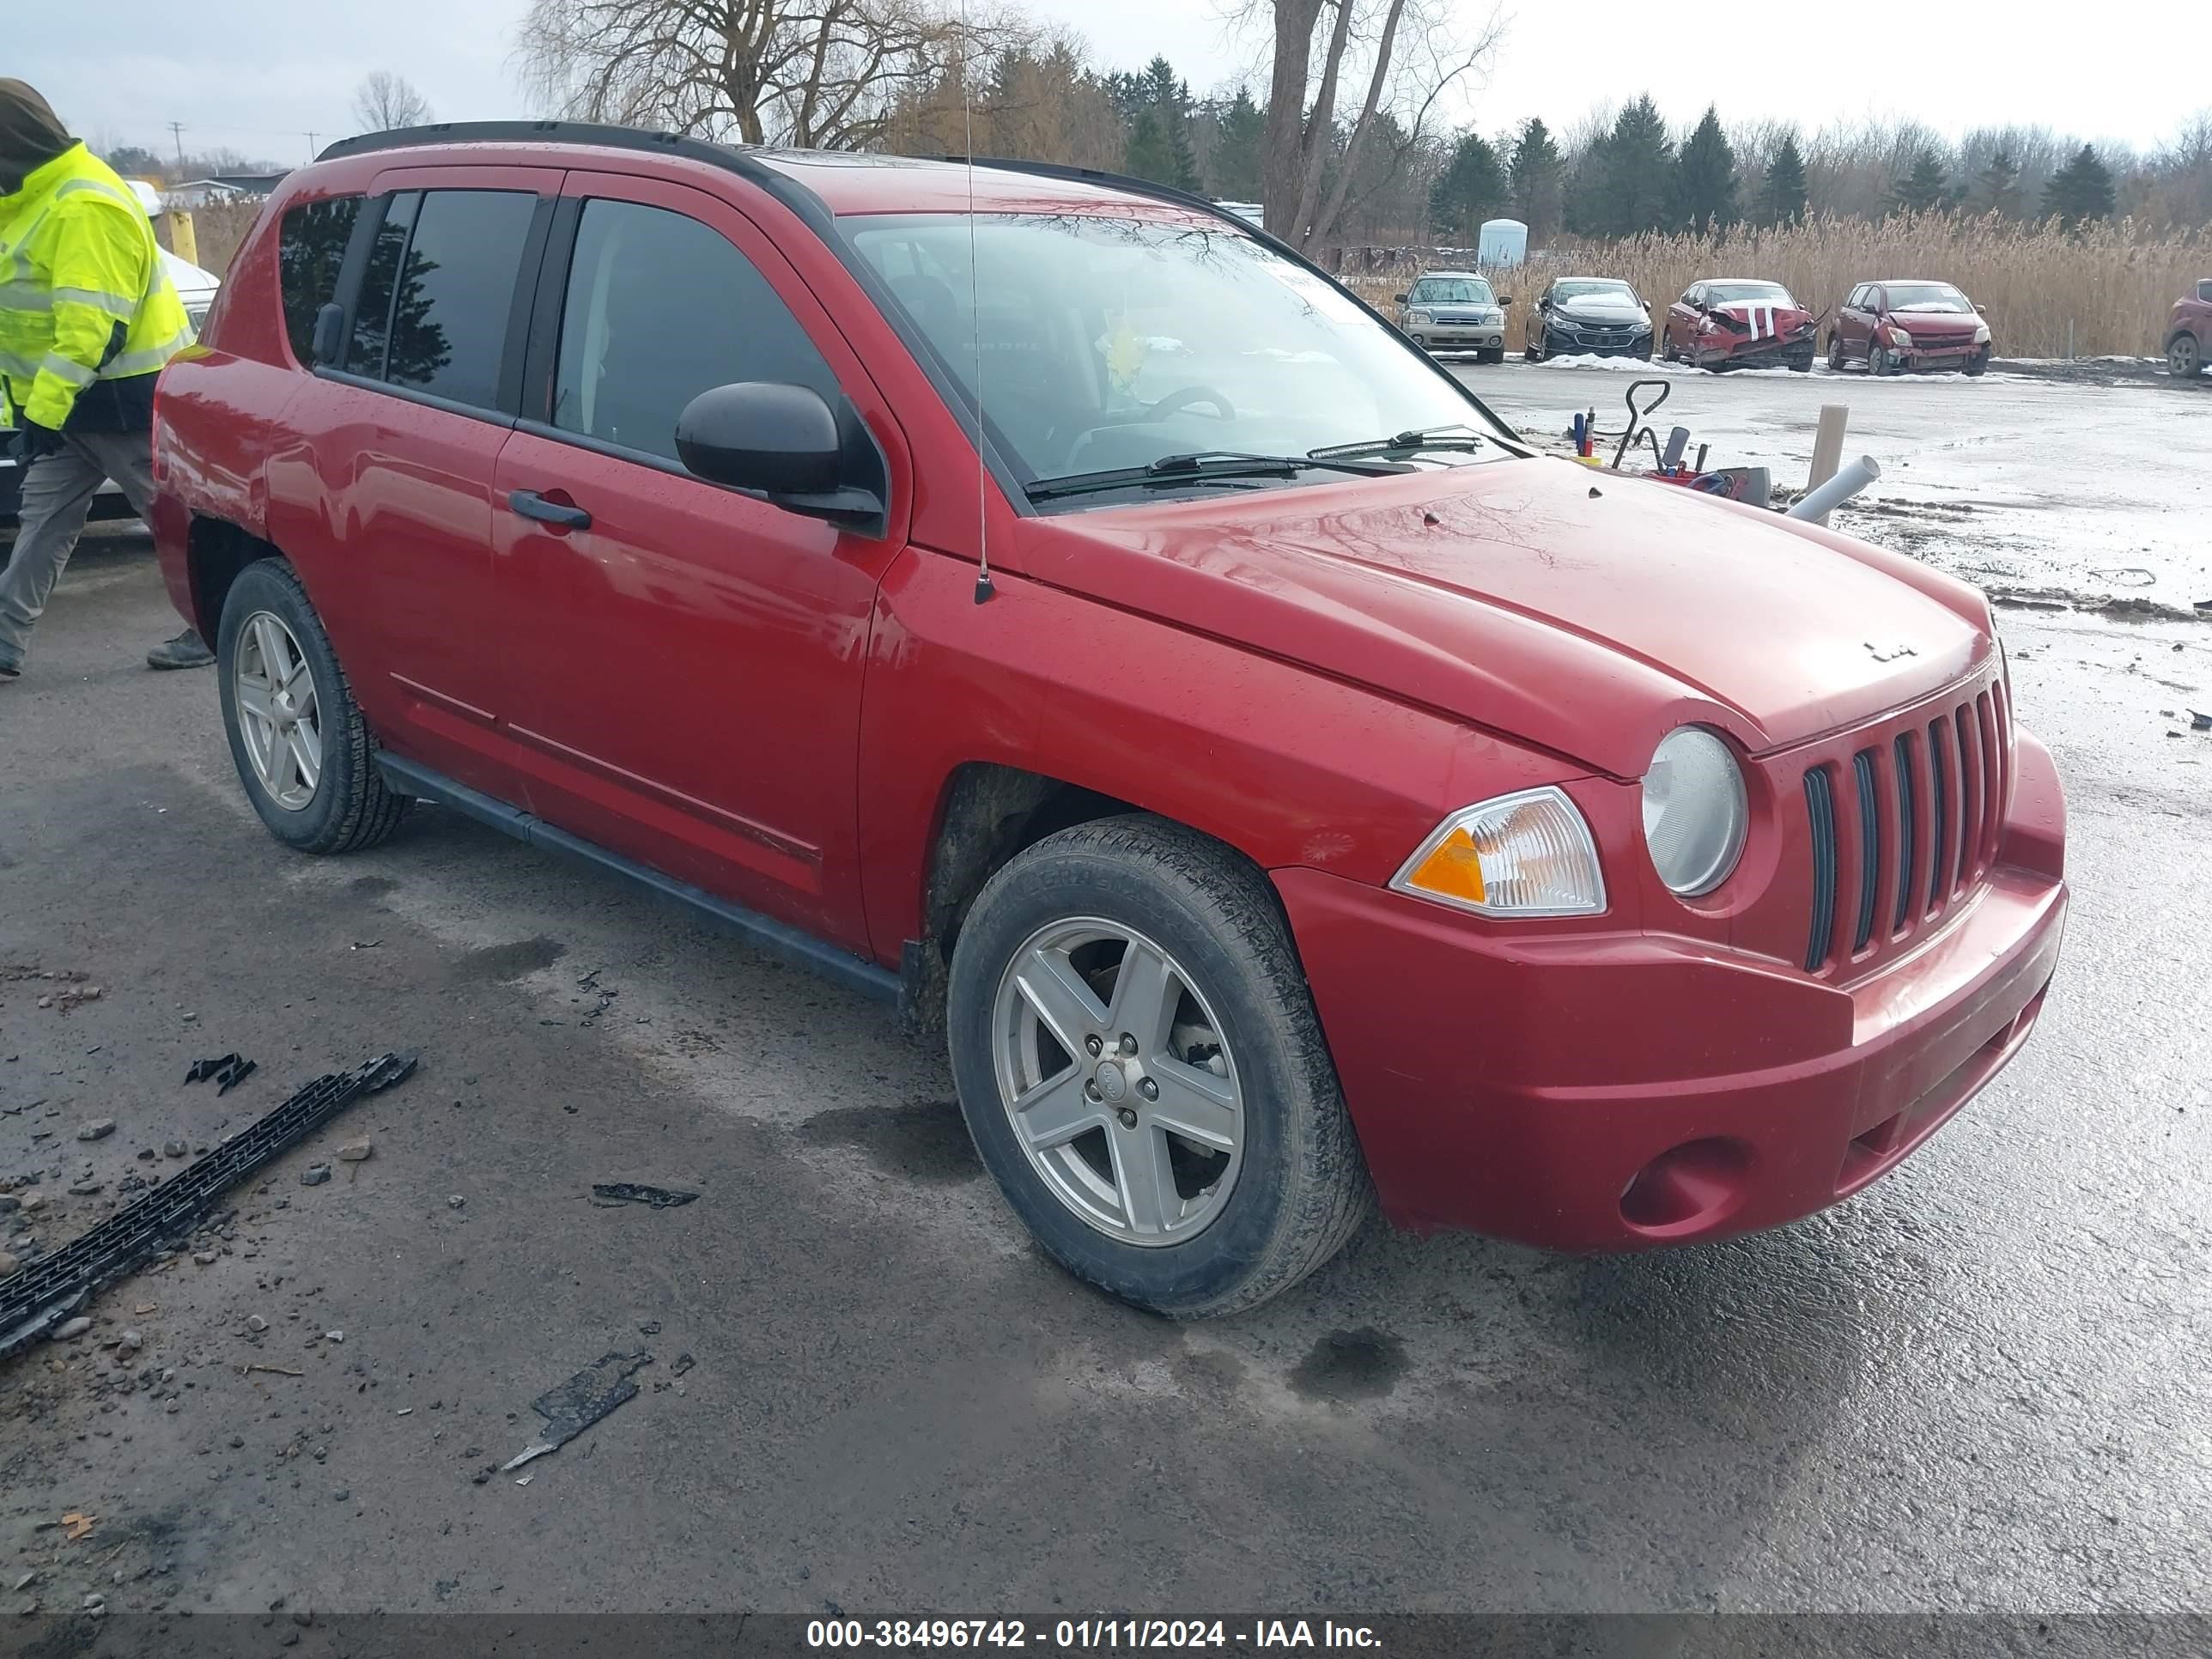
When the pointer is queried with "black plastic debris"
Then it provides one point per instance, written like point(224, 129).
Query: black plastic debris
point(2199, 722)
point(604, 1192)
point(582, 1401)
point(39, 1299)
point(228, 1070)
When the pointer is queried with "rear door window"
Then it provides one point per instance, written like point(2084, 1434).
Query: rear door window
point(659, 308)
point(439, 291)
point(311, 246)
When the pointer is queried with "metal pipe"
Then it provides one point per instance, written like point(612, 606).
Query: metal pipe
point(1818, 503)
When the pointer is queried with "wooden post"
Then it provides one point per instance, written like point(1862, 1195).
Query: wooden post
point(1828, 444)
point(183, 242)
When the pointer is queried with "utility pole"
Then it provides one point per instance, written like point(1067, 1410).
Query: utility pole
point(177, 132)
point(311, 147)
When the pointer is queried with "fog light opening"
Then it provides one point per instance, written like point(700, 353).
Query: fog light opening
point(1687, 1188)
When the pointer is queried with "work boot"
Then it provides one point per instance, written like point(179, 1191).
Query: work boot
point(187, 650)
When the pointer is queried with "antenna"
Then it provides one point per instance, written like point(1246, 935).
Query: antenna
point(984, 591)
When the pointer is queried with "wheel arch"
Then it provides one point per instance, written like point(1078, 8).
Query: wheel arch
point(216, 551)
point(986, 813)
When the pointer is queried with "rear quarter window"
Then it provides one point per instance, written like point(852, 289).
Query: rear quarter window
point(311, 246)
point(438, 292)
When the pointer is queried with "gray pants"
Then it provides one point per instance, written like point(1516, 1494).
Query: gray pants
point(57, 492)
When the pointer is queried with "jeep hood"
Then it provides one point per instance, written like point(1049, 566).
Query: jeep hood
point(1585, 611)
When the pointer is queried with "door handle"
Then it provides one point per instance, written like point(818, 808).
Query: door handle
point(532, 505)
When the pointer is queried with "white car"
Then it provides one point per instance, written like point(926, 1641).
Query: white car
point(197, 288)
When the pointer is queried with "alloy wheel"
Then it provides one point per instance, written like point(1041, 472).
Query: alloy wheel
point(2183, 357)
point(1120, 1087)
point(279, 714)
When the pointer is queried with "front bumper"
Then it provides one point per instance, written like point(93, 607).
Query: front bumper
point(1591, 1091)
point(1465, 337)
point(1942, 356)
point(1756, 354)
point(1574, 344)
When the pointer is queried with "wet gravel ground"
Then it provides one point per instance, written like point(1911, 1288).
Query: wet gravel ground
point(1978, 1386)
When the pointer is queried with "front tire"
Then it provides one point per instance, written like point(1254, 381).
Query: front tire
point(1879, 361)
point(1978, 363)
point(1142, 1071)
point(297, 736)
point(1491, 355)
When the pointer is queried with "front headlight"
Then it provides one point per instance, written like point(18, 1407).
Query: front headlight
point(1899, 339)
point(1981, 334)
point(1528, 854)
point(1695, 813)
point(1420, 316)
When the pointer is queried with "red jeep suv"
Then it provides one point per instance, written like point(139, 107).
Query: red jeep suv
point(1041, 600)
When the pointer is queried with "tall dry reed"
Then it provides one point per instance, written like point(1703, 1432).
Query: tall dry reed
point(2111, 284)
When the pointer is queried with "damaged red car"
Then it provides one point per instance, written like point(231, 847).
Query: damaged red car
point(1896, 326)
point(1281, 786)
point(1739, 323)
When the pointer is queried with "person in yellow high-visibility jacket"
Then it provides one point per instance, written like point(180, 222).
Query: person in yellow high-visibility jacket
point(87, 317)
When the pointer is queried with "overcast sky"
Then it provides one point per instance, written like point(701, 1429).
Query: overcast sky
point(258, 75)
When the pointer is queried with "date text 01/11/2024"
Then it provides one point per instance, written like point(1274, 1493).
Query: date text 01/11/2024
point(1086, 1635)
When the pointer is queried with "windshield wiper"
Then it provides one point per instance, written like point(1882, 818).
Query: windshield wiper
point(1457, 436)
point(1201, 466)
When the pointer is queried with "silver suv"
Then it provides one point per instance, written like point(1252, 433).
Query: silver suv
point(1455, 311)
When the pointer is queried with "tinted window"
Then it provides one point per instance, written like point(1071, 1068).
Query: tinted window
point(372, 312)
point(310, 247)
point(659, 308)
point(456, 289)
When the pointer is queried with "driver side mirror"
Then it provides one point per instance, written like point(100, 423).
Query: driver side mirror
point(1398, 299)
point(1504, 300)
point(785, 444)
point(1543, 302)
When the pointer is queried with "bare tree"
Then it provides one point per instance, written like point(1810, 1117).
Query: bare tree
point(1408, 51)
point(820, 74)
point(384, 102)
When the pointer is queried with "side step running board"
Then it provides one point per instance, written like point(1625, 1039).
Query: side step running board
point(778, 939)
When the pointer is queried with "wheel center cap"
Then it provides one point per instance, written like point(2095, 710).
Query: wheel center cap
point(1112, 1086)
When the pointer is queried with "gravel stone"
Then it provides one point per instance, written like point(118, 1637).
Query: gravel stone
point(99, 1129)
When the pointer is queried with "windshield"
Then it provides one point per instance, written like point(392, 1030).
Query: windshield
point(1926, 296)
point(1580, 287)
point(1762, 294)
point(1110, 342)
point(1451, 291)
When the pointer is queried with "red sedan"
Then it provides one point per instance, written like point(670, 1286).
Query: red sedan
point(1282, 785)
point(1740, 324)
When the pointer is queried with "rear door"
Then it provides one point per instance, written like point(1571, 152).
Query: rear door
point(685, 668)
point(1851, 322)
point(398, 441)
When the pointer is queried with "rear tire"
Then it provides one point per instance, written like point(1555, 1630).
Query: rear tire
point(1836, 351)
point(1042, 955)
point(2185, 356)
point(286, 704)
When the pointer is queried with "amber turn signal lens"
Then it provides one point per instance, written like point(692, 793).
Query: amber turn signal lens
point(1528, 854)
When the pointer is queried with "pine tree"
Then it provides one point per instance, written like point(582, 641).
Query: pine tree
point(2000, 184)
point(1535, 181)
point(1704, 178)
point(1466, 192)
point(1633, 187)
point(1781, 199)
point(2081, 190)
point(1924, 188)
point(1156, 107)
point(1241, 146)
